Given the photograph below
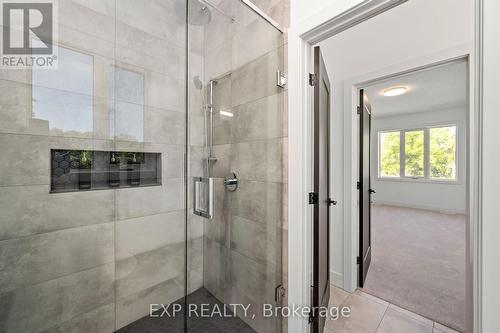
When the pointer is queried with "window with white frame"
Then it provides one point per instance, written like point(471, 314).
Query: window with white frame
point(424, 153)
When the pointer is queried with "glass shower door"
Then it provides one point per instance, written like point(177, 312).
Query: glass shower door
point(237, 140)
point(92, 175)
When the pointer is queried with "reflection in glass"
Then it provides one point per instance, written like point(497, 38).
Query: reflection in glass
point(127, 116)
point(62, 97)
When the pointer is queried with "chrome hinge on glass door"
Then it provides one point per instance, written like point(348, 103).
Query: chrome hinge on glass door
point(203, 197)
point(279, 294)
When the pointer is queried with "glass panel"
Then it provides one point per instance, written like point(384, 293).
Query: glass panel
point(84, 260)
point(414, 153)
point(442, 156)
point(236, 133)
point(389, 164)
point(62, 97)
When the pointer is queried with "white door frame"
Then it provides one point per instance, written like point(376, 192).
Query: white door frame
point(351, 158)
point(300, 42)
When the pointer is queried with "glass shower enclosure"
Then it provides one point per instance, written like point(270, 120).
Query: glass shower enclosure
point(145, 169)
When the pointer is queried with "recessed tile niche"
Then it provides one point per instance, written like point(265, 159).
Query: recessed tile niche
point(84, 170)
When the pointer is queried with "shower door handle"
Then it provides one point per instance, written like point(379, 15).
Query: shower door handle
point(203, 197)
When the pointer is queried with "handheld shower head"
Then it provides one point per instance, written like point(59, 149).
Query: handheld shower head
point(198, 12)
point(198, 84)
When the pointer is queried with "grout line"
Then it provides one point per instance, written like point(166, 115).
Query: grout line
point(92, 225)
point(383, 316)
point(60, 277)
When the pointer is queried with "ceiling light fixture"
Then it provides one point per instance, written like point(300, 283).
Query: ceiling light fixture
point(395, 91)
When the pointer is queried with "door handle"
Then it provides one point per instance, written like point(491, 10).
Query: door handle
point(331, 202)
point(372, 191)
point(203, 201)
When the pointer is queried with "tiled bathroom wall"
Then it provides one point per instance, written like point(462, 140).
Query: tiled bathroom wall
point(93, 261)
point(245, 245)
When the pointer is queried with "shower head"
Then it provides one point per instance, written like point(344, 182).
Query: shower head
point(198, 12)
point(198, 84)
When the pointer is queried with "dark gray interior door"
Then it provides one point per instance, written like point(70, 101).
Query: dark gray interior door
point(321, 232)
point(365, 191)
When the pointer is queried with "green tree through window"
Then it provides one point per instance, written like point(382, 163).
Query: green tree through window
point(442, 141)
point(389, 154)
point(439, 144)
point(414, 153)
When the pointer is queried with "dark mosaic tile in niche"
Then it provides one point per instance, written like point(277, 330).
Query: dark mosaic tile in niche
point(83, 170)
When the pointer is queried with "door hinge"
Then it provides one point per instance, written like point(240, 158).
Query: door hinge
point(313, 198)
point(279, 293)
point(358, 260)
point(358, 110)
point(311, 316)
point(358, 185)
point(280, 79)
point(313, 79)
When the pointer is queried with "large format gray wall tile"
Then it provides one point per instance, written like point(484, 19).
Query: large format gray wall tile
point(261, 119)
point(258, 160)
point(257, 78)
point(29, 156)
point(255, 280)
point(148, 233)
point(163, 126)
point(29, 210)
point(100, 320)
point(158, 18)
point(145, 270)
point(87, 19)
point(136, 306)
point(216, 265)
point(30, 260)
point(57, 251)
point(257, 241)
point(15, 106)
point(255, 40)
point(195, 263)
point(137, 202)
point(48, 304)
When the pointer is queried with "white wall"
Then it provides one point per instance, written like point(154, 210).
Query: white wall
point(302, 9)
point(448, 197)
point(413, 30)
point(491, 165)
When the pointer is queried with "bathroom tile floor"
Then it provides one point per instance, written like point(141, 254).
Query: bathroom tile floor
point(370, 314)
point(194, 324)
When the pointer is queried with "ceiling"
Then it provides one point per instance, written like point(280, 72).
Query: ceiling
point(434, 88)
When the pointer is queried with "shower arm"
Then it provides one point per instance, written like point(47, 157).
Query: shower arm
point(211, 5)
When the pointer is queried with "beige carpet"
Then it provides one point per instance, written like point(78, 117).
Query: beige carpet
point(418, 262)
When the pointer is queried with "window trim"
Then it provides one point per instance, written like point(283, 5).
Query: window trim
point(402, 157)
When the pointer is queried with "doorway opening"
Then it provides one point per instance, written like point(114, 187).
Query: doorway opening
point(413, 203)
point(384, 47)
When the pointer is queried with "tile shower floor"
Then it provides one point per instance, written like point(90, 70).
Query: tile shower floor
point(195, 325)
point(370, 314)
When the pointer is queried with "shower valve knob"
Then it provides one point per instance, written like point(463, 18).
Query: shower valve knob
point(232, 182)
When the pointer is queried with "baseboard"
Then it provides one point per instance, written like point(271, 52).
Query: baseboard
point(416, 206)
point(337, 279)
